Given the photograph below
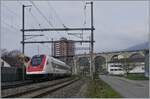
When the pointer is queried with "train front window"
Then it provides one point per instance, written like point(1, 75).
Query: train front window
point(36, 60)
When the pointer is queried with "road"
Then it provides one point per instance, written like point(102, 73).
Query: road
point(128, 88)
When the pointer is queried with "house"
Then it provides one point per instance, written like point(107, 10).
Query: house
point(120, 65)
point(115, 68)
point(3, 63)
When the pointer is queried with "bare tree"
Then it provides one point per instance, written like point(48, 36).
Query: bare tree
point(14, 57)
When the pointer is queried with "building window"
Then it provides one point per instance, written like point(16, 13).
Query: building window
point(112, 65)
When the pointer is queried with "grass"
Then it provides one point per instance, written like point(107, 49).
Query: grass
point(99, 89)
point(136, 77)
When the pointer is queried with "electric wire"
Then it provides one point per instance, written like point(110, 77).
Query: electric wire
point(35, 19)
point(58, 17)
point(41, 13)
point(11, 29)
point(11, 26)
point(19, 2)
point(43, 16)
point(12, 12)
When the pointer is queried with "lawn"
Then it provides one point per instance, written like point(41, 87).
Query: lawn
point(99, 89)
point(136, 77)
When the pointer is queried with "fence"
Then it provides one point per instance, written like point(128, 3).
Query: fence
point(11, 74)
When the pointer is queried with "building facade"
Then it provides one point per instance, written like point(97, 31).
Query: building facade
point(116, 68)
point(64, 50)
point(147, 64)
point(120, 65)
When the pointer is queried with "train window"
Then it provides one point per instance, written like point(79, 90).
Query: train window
point(60, 66)
point(36, 60)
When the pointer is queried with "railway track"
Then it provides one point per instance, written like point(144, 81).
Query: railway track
point(16, 84)
point(40, 90)
point(21, 83)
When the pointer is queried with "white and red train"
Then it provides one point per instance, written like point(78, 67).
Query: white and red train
point(44, 66)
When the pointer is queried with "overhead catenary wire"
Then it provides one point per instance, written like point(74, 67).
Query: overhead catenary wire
point(11, 11)
point(58, 17)
point(19, 2)
point(84, 9)
point(35, 19)
point(84, 24)
point(11, 26)
point(11, 29)
point(43, 15)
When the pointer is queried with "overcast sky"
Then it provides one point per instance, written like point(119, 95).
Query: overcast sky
point(118, 24)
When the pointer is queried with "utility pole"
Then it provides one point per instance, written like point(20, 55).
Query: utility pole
point(92, 41)
point(92, 67)
point(52, 47)
point(23, 36)
point(23, 6)
point(23, 26)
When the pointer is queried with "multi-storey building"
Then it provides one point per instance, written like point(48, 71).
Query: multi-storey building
point(64, 49)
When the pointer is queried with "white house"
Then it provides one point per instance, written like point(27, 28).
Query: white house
point(115, 65)
point(3, 63)
point(115, 68)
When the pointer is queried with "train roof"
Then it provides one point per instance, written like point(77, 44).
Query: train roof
point(59, 61)
point(55, 60)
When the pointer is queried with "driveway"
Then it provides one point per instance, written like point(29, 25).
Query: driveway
point(128, 88)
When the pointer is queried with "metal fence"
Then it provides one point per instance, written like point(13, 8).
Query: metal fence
point(11, 74)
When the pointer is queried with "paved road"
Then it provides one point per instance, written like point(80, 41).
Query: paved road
point(128, 88)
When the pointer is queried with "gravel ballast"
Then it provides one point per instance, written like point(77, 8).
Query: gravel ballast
point(75, 90)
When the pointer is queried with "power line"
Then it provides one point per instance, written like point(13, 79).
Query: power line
point(11, 26)
point(12, 12)
point(43, 15)
point(34, 17)
point(56, 14)
point(12, 29)
point(19, 2)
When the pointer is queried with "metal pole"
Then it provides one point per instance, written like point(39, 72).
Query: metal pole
point(23, 6)
point(92, 67)
point(23, 36)
point(79, 41)
point(58, 29)
point(23, 26)
point(23, 72)
point(52, 48)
